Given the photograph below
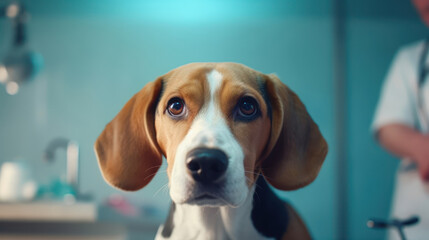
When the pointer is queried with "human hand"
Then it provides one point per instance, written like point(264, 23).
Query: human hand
point(421, 156)
point(406, 142)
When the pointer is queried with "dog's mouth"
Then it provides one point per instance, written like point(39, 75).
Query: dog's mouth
point(204, 197)
point(206, 200)
point(229, 192)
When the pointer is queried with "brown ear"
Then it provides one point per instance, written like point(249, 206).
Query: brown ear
point(127, 151)
point(296, 147)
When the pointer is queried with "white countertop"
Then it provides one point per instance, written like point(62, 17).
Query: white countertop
point(48, 211)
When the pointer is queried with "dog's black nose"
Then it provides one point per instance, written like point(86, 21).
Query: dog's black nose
point(206, 165)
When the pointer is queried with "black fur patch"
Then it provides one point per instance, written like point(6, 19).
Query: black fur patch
point(269, 213)
point(264, 93)
point(158, 98)
point(169, 225)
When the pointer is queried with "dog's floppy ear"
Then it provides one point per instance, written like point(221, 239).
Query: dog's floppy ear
point(296, 148)
point(127, 151)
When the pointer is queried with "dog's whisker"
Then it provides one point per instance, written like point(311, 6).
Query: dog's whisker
point(253, 172)
point(153, 174)
point(257, 195)
point(150, 175)
point(160, 189)
point(157, 166)
point(166, 189)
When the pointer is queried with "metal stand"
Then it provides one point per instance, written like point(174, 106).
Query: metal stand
point(395, 223)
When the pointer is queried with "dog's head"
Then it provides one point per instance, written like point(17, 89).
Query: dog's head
point(219, 125)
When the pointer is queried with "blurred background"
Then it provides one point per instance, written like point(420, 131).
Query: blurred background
point(84, 59)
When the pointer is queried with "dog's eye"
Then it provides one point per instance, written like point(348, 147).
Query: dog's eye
point(176, 107)
point(247, 108)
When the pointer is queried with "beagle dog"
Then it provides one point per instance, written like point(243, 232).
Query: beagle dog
point(225, 131)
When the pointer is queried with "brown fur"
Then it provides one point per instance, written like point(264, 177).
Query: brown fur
point(127, 151)
point(296, 148)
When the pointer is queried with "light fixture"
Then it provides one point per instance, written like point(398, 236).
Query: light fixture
point(19, 65)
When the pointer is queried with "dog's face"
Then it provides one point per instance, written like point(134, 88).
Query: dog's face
point(219, 125)
point(204, 109)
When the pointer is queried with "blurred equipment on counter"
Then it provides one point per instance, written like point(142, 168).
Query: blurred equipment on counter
point(16, 183)
point(122, 205)
point(394, 223)
point(72, 171)
point(20, 64)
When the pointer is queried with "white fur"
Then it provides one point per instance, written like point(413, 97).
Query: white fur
point(213, 223)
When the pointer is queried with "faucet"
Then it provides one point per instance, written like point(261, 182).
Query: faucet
point(72, 151)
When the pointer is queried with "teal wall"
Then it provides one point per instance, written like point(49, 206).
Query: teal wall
point(99, 53)
point(374, 32)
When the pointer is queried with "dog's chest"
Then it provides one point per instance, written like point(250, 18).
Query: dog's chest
point(191, 222)
point(210, 223)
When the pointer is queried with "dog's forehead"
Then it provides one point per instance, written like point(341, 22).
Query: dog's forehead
point(230, 73)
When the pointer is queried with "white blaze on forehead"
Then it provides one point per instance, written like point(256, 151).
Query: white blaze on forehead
point(215, 79)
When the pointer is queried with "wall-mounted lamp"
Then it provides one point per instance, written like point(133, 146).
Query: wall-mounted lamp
point(19, 65)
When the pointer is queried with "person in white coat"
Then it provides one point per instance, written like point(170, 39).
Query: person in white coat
point(401, 125)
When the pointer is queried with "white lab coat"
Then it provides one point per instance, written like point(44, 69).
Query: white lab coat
point(398, 104)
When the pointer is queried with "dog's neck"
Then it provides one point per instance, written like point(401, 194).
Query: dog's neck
point(197, 222)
